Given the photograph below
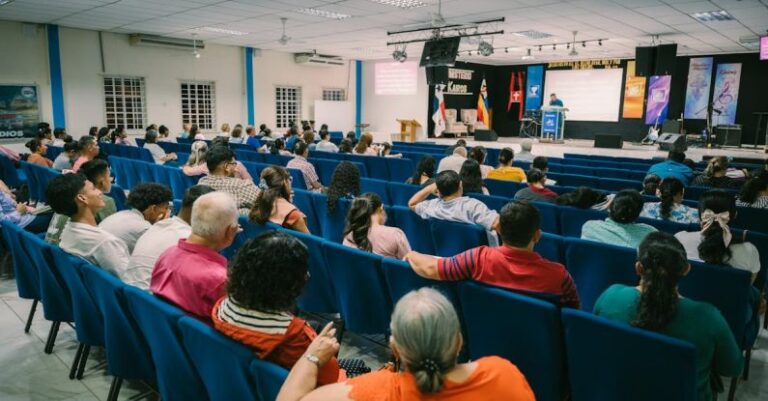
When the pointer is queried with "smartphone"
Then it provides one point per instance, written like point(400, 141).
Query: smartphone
point(338, 324)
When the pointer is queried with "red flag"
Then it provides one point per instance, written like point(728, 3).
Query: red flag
point(515, 91)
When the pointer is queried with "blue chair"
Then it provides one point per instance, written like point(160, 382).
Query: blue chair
point(53, 152)
point(177, 378)
point(331, 225)
point(521, 329)
point(10, 175)
point(415, 228)
point(549, 215)
point(318, 293)
point(551, 247)
point(631, 364)
point(254, 169)
point(502, 188)
point(493, 202)
point(376, 167)
point(574, 180)
point(361, 294)
point(269, 378)
point(223, 364)
point(303, 200)
point(668, 226)
point(249, 156)
point(378, 187)
point(400, 194)
point(27, 276)
point(33, 183)
point(118, 194)
point(750, 218)
point(401, 279)
point(298, 179)
point(615, 184)
point(451, 238)
point(572, 219)
point(400, 169)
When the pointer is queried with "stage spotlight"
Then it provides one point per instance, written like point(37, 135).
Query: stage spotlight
point(583, 44)
point(485, 48)
point(599, 42)
point(400, 55)
point(568, 46)
point(554, 47)
point(506, 50)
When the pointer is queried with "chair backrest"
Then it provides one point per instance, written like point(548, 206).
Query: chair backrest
point(549, 217)
point(177, 378)
point(128, 353)
point(400, 169)
point(361, 294)
point(522, 329)
point(415, 228)
point(572, 219)
point(298, 179)
point(269, 378)
point(331, 224)
point(223, 364)
point(33, 182)
point(751, 218)
point(451, 238)
point(379, 187)
point(399, 193)
point(9, 174)
point(551, 247)
point(375, 166)
point(401, 279)
point(318, 293)
point(613, 361)
point(54, 294)
point(118, 194)
point(303, 200)
point(27, 276)
point(89, 325)
point(503, 188)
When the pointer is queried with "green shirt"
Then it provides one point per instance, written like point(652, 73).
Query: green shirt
point(58, 221)
point(611, 232)
point(698, 323)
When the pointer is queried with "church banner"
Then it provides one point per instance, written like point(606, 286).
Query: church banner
point(634, 93)
point(533, 87)
point(658, 99)
point(726, 94)
point(697, 91)
point(19, 111)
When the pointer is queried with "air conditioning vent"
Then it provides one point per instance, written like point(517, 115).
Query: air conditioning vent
point(320, 60)
point(140, 39)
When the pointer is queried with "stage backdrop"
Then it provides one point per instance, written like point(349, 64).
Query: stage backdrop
point(634, 93)
point(19, 111)
point(697, 91)
point(726, 94)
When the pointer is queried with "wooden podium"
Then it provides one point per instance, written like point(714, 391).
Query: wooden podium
point(408, 127)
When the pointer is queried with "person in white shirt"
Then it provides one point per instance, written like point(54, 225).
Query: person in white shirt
point(149, 204)
point(525, 154)
point(325, 144)
point(158, 154)
point(158, 238)
point(454, 161)
point(77, 198)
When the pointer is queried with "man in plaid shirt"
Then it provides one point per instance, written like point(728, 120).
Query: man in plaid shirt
point(301, 150)
point(221, 177)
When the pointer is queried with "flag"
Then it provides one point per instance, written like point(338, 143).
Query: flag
point(516, 92)
point(482, 105)
point(438, 105)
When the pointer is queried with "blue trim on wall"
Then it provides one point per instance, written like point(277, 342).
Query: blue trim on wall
point(250, 110)
point(358, 95)
point(54, 68)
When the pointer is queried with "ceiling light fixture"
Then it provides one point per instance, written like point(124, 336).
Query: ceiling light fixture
point(485, 48)
point(528, 55)
point(554, 47)
point(712, 16)
point(195, 53)
point(539, 47)
point(470, 52)
point(323, 13)
point(599, 42)
point(400, 55)
point(506, 50)
point(404, 4)
point(222, 30)
point(583, 44)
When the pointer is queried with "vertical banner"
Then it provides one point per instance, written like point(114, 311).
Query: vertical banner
point(634, 93)
point(438, 105)
point(516, 92)
point(533, 87)
point(19, 111)
point(697, 90)
point(658, 99)
point(726, 94)
point(483, 107)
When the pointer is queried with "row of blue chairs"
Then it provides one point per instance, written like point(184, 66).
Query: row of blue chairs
point(129, 172)
point(145, 338)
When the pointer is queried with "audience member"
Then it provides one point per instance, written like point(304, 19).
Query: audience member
point(673, 167)
point(37, 156)
point(158, 238)
point(536, 191)
point(192, 274)
point(21, 214)
point(345, 184)
point(225, 128)
point(158, 154)
point(351, 137)
point(325, 144)
point(584, 198)
point(93, 131)
point(506, 171)
point(274, 201)
point(88, 149)
point(196, 164)
point(472, 178)
point(426, 338)
point(542, 163)
point(366, 230)
point(671, 206)
point(461, 143)
point(620, 227)
point(385, 150)
point(121, 136)
point(715, 175)
point(299, 161)
point(251, 139)
point(186, 129)
point(59, 134)
point(262, 290)
point(651, 184)
point(74, 196)
point(195, 133)
point(293, 136)
point(237, 136)
point(452, 205)
point(755, 192)
point(656, 305)
point(149, 203)
point(365, 146)
point(525, 154)
point(715, 244)
point(454, 161)
point(278, 148)
point(104, 135)
point(345, 146)
point(44, 134)
point(309, 139)
point(425, 172)
point(478, 154)
point(221, 166)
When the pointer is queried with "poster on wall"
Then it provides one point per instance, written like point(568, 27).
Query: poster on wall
point(19, 111)
point(634, 93)
point(533, 87)
point(697, 90)
point(658, 99)
point(726, 94)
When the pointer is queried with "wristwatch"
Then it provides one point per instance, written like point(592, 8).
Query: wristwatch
point(312, 358)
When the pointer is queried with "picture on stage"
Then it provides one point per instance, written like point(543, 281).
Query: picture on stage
point(726, 95)
point(634, 93)
point(533, 87)
point(658, 99)
point(697, 91)
point(19, 111)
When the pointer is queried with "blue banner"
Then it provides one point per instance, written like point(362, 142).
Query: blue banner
point(533, 87)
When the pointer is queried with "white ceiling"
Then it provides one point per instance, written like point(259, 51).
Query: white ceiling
point(625, 23)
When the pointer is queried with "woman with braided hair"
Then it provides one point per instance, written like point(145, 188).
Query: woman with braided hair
point(366, 229)
point(656, 305)
point(426, 339)
point(671, 207)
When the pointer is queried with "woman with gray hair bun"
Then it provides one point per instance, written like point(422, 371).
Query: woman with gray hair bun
point(426, 339)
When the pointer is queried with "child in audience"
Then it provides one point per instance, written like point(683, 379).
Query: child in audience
point(121, 137)
point(651, 184)
point(755, 192)
point(425, 172)
point(274, 201)
point(656, 305)
point(345, 184)
point(620, 228)
point(671, 206)
point(366, 229)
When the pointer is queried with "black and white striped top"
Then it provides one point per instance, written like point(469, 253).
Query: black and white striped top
point(264, 322)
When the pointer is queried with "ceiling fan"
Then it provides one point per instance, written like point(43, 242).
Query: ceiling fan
point(284, 39)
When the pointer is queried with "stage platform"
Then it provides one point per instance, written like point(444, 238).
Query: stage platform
point(586, 147)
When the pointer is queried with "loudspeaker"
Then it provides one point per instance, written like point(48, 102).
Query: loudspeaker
point(672, 142)
point(728, 135)
point(645, 57)
point(665, 59)
point(486, 135)
point(609, 141)
point(670, 126)
point(437, 75)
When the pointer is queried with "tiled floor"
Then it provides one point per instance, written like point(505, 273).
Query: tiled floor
point(27, 373)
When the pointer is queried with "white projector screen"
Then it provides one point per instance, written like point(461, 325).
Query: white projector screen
point(394, 78)
point(589, 95)
point(340, 116)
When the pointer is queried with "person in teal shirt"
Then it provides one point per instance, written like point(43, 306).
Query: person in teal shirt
point(620, 227)
point(657, 306)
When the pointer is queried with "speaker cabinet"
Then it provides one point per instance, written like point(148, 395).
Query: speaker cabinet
point(672, 142)
point(609, 141)
point(645, 58)
point(670, 126)
point(665, 59)
point(486, 135)
point(728, 135)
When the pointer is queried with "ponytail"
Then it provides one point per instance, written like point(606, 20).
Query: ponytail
point(713, 248)
point(272, 187)
point(359, 219)
point(716, 165)
point(669, 188)
point(664, 262)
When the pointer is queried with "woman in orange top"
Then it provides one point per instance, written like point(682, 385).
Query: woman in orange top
point(274, 201)
point(37, 156)
point(426, 338)
point(505, 171)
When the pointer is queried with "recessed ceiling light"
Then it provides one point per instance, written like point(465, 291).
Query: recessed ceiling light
point(323, 13)
point(222, 30)
point(404, 4)
point(532, 34)
point(4, 2)
point(711, 16)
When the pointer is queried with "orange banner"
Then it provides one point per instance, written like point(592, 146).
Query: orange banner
point(634, 93)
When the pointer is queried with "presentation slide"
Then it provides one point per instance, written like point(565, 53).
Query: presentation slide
point(589, 95)
point(393, 78)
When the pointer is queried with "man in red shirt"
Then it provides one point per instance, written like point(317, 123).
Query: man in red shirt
point(512, 265)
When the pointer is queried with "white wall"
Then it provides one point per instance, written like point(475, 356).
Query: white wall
point(382, 112)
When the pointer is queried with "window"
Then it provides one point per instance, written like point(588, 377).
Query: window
point(124, 99)
point(198, 103)
point(334, 94)
point(287, 105)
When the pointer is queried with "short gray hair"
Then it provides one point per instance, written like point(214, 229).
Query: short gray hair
point(213, 213)
point(461, 151)
point(526, 145)
point(426, 330)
